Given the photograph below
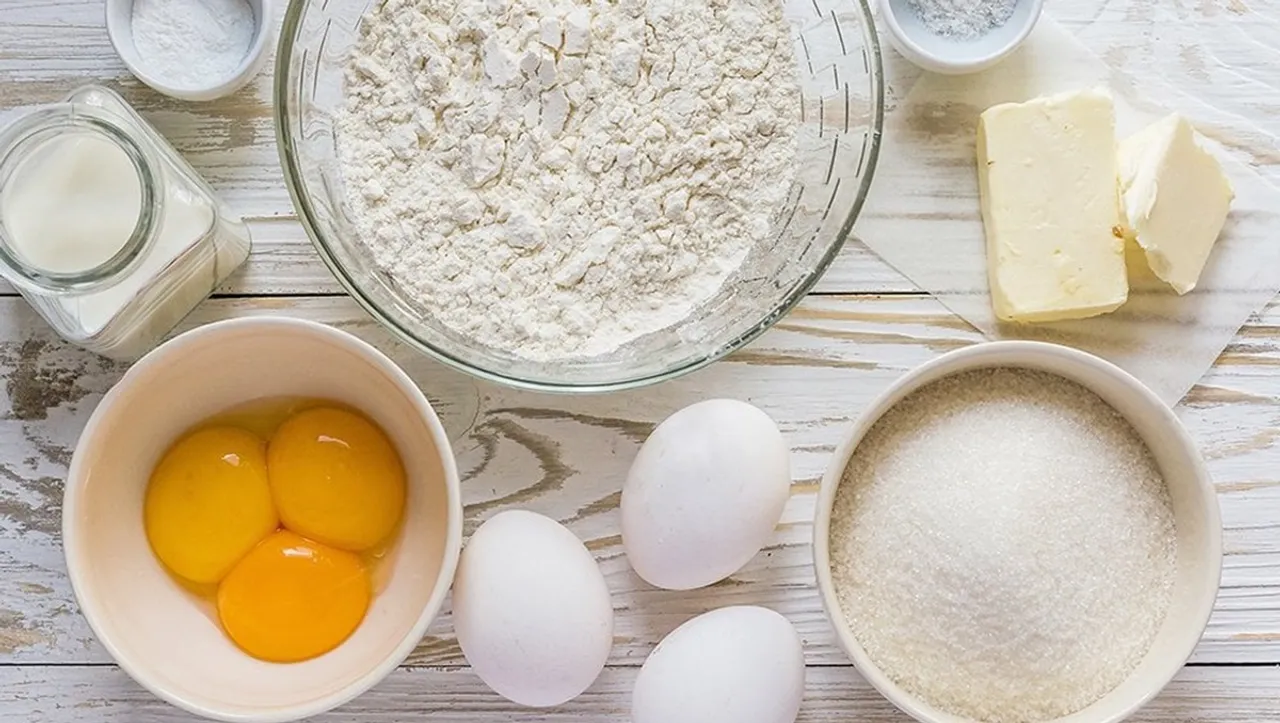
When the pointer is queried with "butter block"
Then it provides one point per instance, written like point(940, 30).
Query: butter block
point(1047, 176)
point(1175, 199)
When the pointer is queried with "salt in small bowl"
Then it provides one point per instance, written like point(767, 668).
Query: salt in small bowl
point(951, 55)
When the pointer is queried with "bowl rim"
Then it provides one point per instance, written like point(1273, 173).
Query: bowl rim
point(137, 375)
point(987, 355)
point(252, 62)
point(933, 62)
point(286, 149)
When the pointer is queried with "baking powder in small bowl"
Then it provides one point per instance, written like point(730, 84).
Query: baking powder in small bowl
point(192, 43)
point(192, 49)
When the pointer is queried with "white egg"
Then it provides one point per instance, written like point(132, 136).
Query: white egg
point(737, 664)
point(704, 494)
point(531, 609)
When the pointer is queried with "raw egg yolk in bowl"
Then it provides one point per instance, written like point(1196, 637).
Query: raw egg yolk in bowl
point(336, 478)
point(209, 503)
point(278, 515)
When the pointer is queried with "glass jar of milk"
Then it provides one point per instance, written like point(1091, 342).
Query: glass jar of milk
point(104, 228)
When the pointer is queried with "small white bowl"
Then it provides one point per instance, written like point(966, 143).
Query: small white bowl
point(162, 635)
point(952, 56)
point(1195, 511)
point(120, 30)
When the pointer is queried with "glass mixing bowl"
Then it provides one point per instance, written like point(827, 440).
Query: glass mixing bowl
point(840, 120)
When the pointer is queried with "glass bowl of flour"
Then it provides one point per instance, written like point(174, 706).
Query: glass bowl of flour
point(578, 195)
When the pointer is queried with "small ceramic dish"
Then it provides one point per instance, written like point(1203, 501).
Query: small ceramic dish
point(120, 30)
point(168, 639)
point(955, 56)
point(1195, 510)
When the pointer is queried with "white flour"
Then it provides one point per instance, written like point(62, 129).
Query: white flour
point(556, 179)
point(192, 43)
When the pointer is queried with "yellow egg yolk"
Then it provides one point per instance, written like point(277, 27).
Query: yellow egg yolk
point(292, 599)
point(336, 478)
point(209, 502)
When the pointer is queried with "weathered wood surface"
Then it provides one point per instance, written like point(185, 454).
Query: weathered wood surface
point(832, 695)
point(1189, 55)
point(565, 456)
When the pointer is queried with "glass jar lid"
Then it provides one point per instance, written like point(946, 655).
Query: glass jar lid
point(82, 162)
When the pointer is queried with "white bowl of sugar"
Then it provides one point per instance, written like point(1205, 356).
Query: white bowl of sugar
point(1018, 531)
point(195, 50)
point(955, 37)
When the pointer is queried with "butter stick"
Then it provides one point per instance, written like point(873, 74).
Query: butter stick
point(1047, 171)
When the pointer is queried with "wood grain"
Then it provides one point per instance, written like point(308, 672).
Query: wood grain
point(565, 456)
point(832, 695)
point(51, 48)
point(283, 262)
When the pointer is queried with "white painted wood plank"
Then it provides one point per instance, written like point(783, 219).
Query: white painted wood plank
point(283, 262)
point(1212, 60)
point(832, 695)
point(566, 456)
point(50, 48)
point(1222, 55)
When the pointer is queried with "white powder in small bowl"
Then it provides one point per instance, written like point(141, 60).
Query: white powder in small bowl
point(1003, 545)
point(191, 44)
point(962, 19)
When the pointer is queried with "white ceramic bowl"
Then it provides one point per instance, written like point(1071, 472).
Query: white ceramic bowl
point(1195, 509)
point(166, 638)
point(120, 30)
point(951, 56)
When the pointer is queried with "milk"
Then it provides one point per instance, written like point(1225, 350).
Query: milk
point(71, 203)
point(107, 231)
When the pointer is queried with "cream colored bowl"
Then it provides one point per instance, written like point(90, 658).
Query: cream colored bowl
point(1195, 509)
point(163, 636)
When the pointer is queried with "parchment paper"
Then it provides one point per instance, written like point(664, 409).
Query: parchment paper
point(922, 217)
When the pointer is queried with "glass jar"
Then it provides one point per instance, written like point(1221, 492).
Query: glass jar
point(183, 243)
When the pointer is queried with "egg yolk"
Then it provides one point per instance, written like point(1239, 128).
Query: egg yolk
point(292, 599)
point(208, 503)
point(336, 478)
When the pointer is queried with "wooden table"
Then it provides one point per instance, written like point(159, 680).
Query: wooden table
point(566, 456)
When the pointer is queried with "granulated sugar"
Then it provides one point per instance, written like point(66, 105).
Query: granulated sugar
point(1003, 545)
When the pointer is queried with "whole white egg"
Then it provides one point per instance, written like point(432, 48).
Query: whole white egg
point(738, 664)
point(704, 494)
point(531, 609)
